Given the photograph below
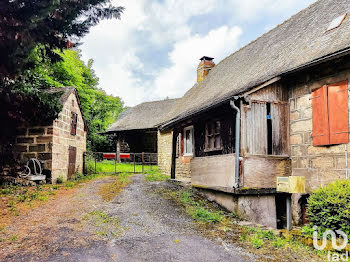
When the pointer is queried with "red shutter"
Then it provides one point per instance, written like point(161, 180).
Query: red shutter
point(338, 113)
point(320, 123)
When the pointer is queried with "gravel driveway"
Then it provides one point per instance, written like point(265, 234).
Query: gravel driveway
point(138, 225)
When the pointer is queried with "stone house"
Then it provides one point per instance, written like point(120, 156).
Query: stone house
point(61, 144)
point(277, 107)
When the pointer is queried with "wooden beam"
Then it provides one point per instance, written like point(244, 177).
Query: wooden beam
point(267, 83)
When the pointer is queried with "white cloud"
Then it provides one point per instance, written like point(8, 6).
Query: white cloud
point(178, 78)
point(162, 31)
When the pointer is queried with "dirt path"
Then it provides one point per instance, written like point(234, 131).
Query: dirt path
point(138, 225)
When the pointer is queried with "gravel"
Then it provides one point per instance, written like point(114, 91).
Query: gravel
point(150, 228)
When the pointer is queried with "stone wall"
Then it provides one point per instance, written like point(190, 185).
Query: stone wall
point(183, 168)
point(50, 144)
point(62, 139)
point(34, 142)
point(319, 164)
point(165, 146)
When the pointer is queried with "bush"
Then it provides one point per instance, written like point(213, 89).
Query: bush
point(329, 207)
point(60, 180)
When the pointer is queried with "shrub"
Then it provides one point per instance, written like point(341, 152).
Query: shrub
point(257, 241)
point(278, 242)
point(329, 207)
point(60, 180)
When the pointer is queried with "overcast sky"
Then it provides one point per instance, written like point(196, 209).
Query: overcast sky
point(153, 51)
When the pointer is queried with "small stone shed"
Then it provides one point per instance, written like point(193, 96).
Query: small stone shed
point(60, 145)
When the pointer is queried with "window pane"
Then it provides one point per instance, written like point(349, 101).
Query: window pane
point(217, 142)
point(188, 135)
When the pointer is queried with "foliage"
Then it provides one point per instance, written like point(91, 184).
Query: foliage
point(110, 190)
point(155, 175)
point(52, 23)
point(256, 241)
point(60, 180)
point(100, 110)
point(329, 207)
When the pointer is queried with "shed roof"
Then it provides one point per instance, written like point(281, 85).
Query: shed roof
point(298, 41)
point(147, 115)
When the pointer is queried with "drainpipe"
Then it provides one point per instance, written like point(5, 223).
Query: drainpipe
point(237, 144)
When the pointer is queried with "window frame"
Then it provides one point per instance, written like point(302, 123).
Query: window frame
point(73, 123)
point(214, 134)
point(185, 153)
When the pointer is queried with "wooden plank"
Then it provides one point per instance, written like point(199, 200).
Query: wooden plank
point(338, 107)
point(320, 121)
point(216, 170)
point(262, 172)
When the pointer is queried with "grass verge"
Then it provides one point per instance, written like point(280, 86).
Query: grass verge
point(216, 223)
point(155, 175)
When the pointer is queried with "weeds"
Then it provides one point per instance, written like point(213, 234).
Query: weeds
point(60, 180)
point(110, 190)
point(155, 175)
point(257, 241)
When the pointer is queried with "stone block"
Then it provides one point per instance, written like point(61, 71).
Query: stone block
point(45, 156)
point(307, 138)
point(298, 150)
point(25, 140)
point(307, 113)
point(37, 148)
point(44, 139)
point(37, 131)
point(49, 131)
point(20, 148)
point(323, 163)
point(295, 115)
point(26, 156)
point(296, 139)
point(301, 126)
point(303, 101)
point(317, 150)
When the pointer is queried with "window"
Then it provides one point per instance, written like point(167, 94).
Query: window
point(330, 124)
point(212, 136)
point(188, 141)
point(73, 126)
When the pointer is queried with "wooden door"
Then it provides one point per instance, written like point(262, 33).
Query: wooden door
point(71, 162)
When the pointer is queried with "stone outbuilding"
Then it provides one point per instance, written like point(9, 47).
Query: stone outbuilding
point(60, 145)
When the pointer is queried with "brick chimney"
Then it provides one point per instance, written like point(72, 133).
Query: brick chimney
point(204, 67)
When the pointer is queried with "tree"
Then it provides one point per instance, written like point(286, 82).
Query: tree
point(53, 23)
point(100, 110)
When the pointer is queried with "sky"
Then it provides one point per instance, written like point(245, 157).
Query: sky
point(152, 53)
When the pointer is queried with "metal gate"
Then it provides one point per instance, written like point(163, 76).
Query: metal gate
point(110, 162)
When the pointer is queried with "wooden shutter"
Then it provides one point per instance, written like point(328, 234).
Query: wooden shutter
point(279, 128)
point(338, 113)
point(320, 122)
point(256, 129)
point(182, 143)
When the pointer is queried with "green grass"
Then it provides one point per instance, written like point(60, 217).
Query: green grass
point(155, 175)
point(108, 166)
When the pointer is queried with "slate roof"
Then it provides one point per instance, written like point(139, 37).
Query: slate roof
point(298, 41)
point(147, 115)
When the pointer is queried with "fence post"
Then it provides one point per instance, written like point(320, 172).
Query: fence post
point(143, 159)
point(84, 163)
point(115, 164)
point(151, 160)
point(95, 162)
point(134, 163)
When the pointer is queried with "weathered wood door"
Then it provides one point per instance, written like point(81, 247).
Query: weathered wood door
point(71, 162)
